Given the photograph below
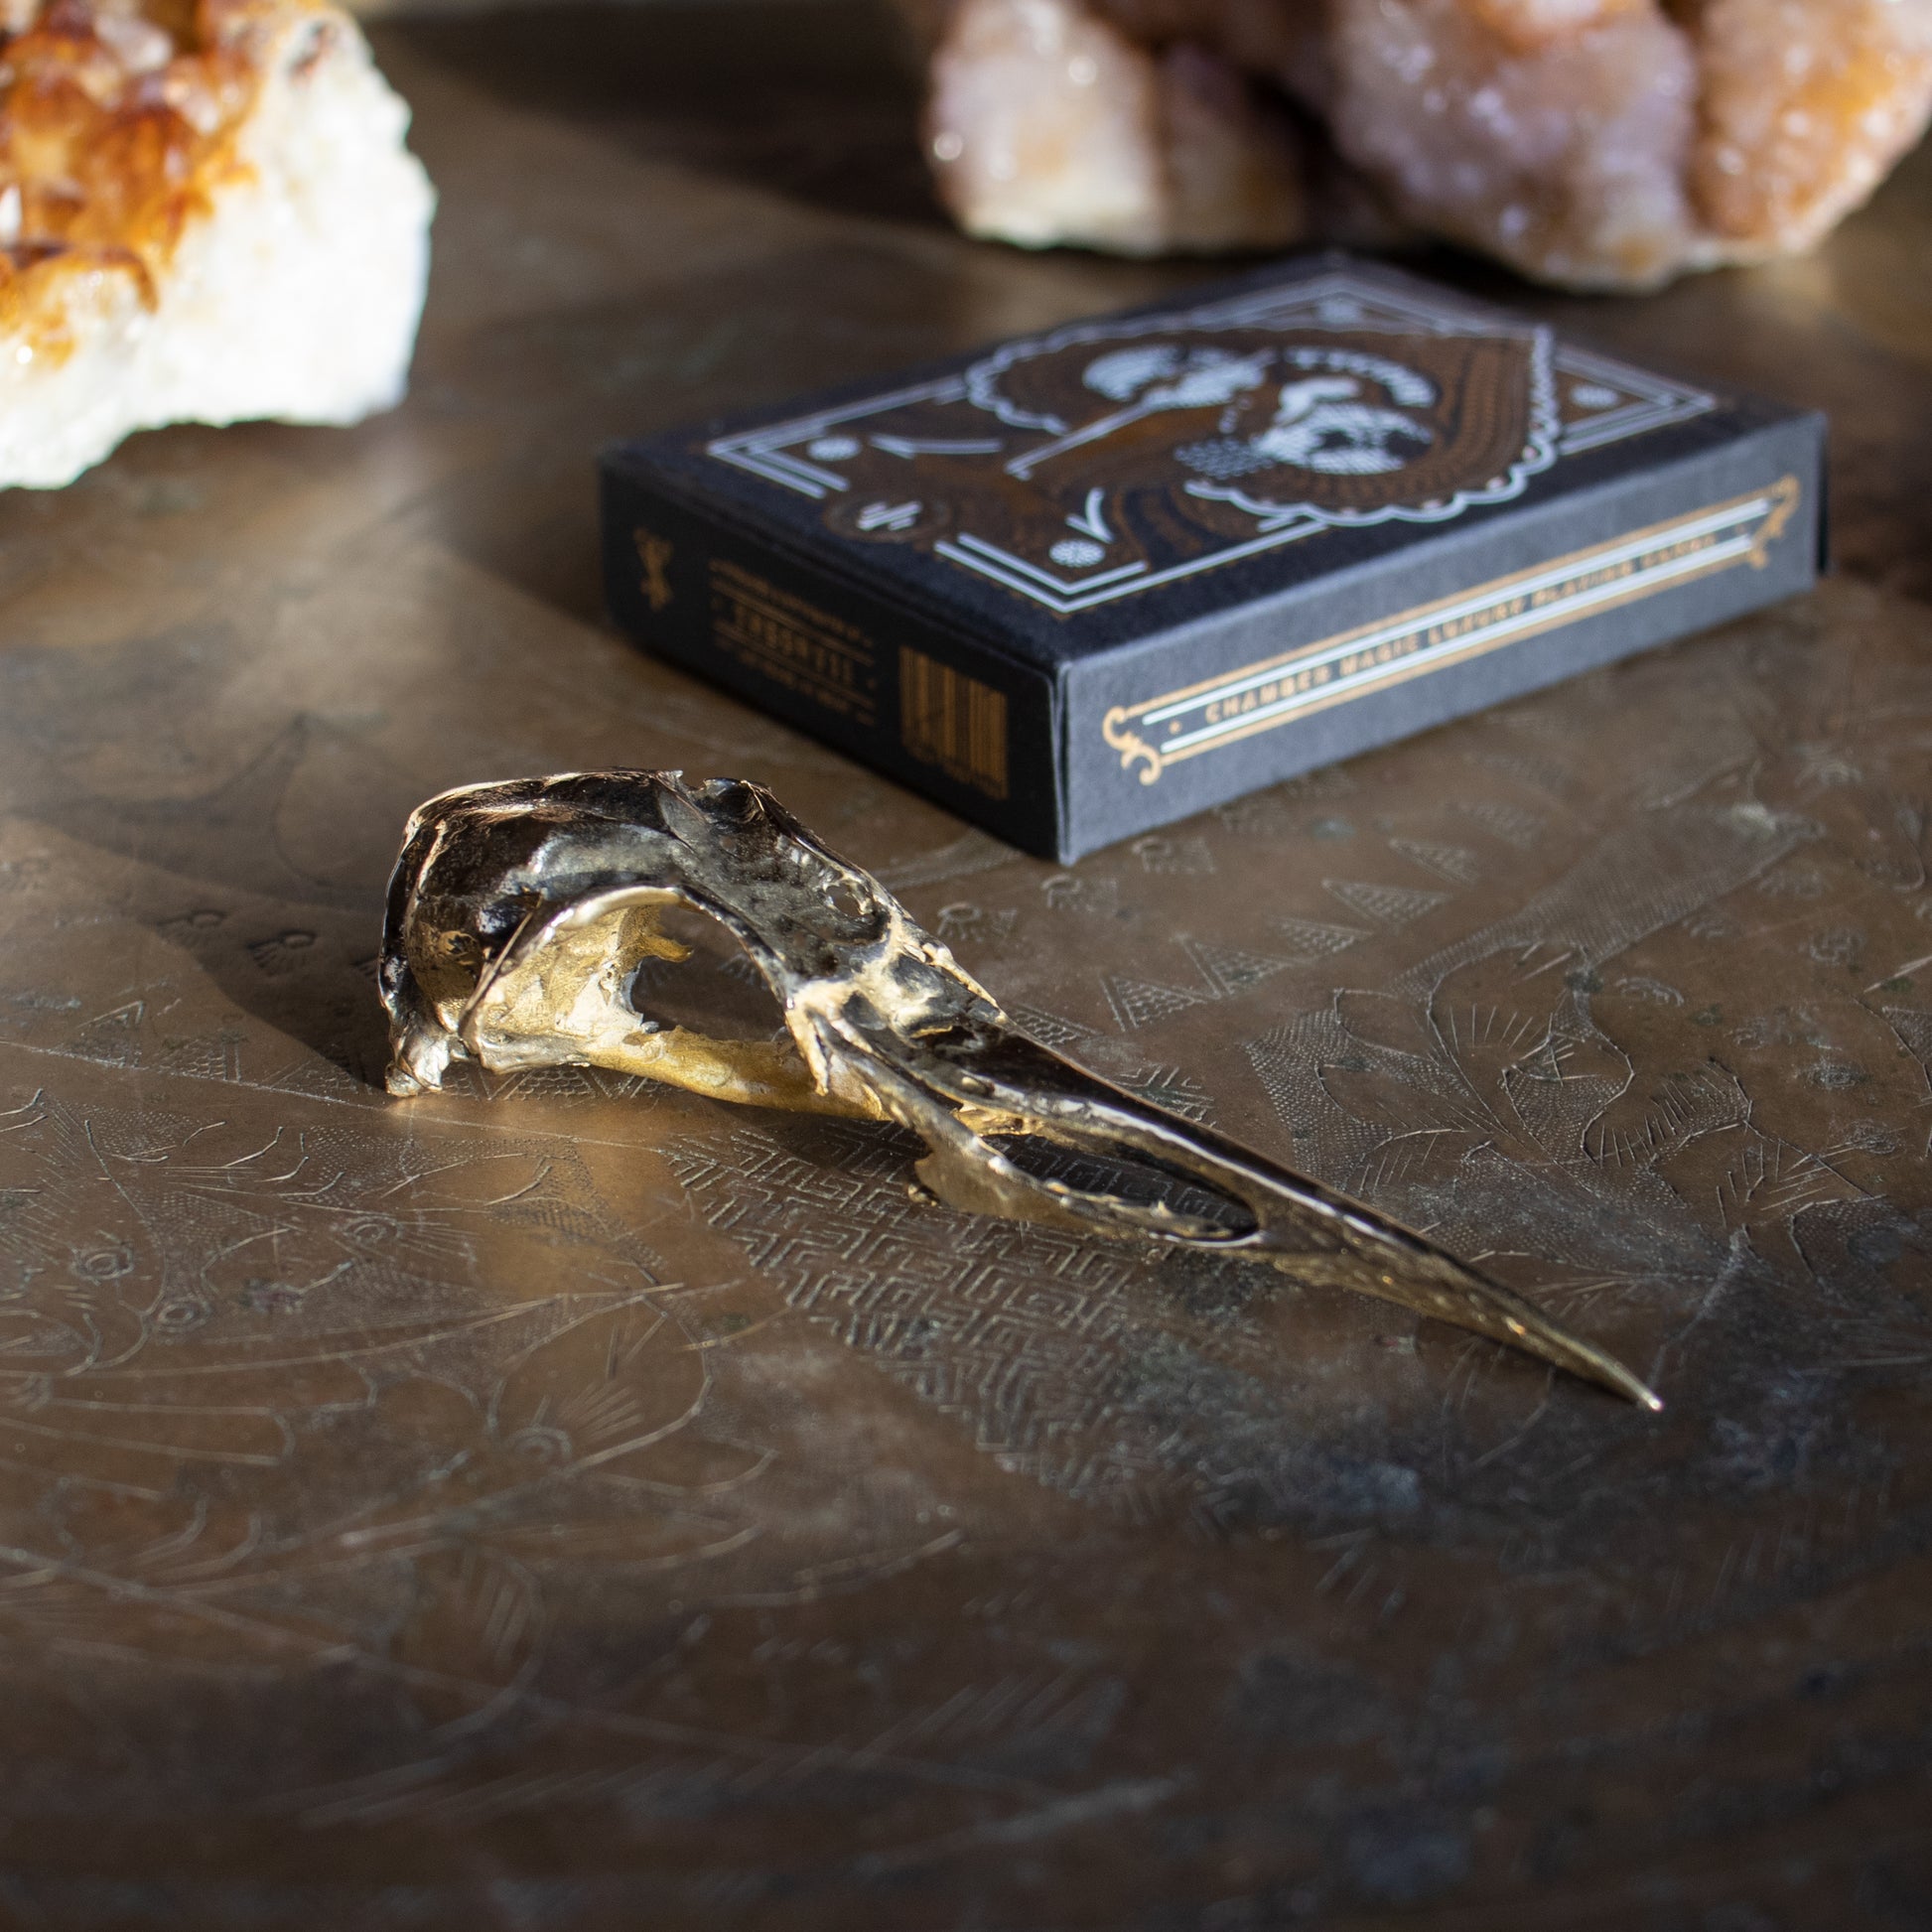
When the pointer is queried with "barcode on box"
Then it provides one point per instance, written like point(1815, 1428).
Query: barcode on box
point(953, 721)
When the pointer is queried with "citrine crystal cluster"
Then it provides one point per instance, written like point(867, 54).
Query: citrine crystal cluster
point(207, 214)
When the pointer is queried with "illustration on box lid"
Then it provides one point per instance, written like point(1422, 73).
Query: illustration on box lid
point(1105, 459)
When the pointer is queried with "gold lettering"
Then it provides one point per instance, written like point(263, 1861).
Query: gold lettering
point(794, 642)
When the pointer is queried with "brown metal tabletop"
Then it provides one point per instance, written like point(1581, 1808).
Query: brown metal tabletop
point(561, 1502)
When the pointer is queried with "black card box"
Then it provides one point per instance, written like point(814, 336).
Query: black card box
point(1082, 584)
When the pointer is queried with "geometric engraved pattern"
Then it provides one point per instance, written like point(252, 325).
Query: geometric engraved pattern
point(1510, 823)
point(1453, 862)
point(1314, 940)
point(1389, 906)
point(1172, 1088)
point(1230, 968)
point(1079, 1363)
point(1048, 1028)
point(114, 1039)
point(1225, 971)
point(1144, 1003)
point(1013, 1328)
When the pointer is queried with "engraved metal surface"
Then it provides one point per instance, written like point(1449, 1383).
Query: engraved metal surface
point(562, 1500)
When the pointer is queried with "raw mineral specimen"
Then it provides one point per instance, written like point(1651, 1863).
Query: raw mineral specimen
point(1052, 125)
point(1589, 142)
point(207, 214)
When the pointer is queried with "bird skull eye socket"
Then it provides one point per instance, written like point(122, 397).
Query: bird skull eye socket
point(713, 989)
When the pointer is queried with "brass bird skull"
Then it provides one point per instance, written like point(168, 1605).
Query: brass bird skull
point(519, 913)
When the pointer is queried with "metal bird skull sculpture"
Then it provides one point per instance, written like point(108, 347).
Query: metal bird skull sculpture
point(520, 915)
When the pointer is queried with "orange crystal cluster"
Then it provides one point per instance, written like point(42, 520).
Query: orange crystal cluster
point(116, 126)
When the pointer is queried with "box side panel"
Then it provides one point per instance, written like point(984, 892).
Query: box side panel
point(1199, 717)
point(924, 705)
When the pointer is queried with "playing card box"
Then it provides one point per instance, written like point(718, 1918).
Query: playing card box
point(1084, 583)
